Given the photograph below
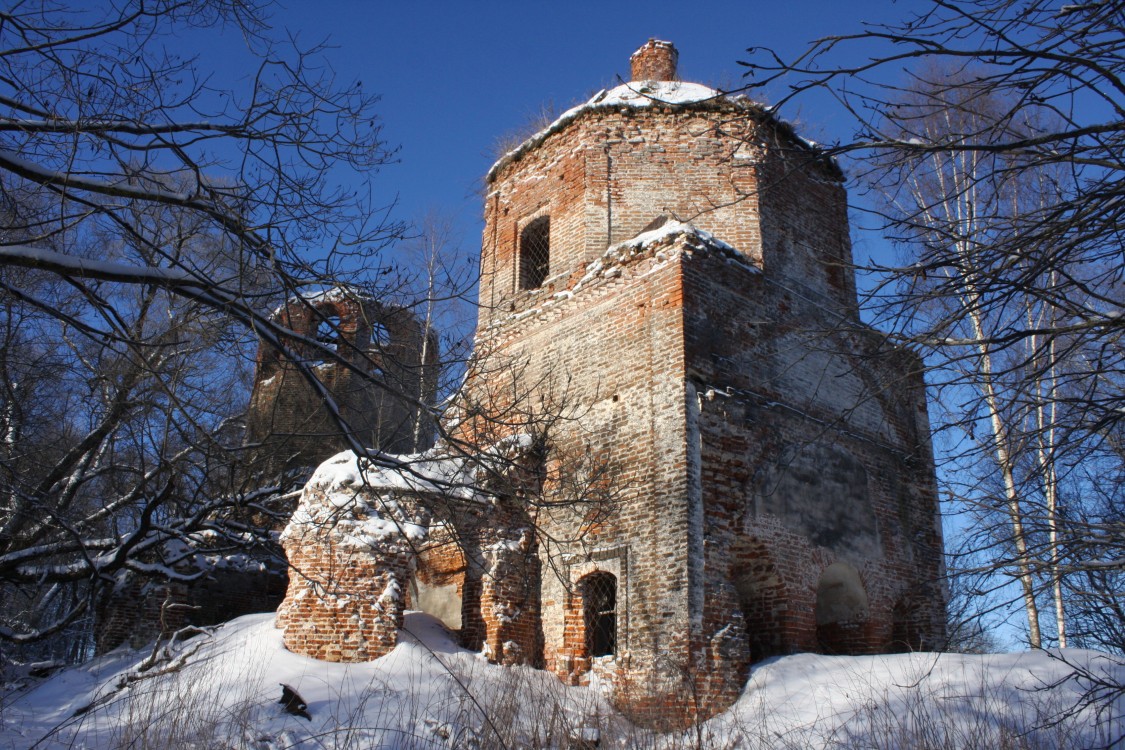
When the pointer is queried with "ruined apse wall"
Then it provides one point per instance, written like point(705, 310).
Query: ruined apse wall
point(288, 425)
point(353, 546)
point(140, 609)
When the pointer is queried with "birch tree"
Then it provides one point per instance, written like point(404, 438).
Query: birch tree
point(951, 206)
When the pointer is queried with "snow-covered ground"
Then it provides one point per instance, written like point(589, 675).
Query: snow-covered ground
point(221, 690)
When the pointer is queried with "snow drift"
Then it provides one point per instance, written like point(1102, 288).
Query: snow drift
point(221, 689)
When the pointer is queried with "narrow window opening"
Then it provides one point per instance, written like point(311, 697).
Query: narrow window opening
point(328, 331)
point(535, 253)
point(599, 598)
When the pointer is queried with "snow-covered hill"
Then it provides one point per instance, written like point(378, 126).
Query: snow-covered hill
point(221, 690)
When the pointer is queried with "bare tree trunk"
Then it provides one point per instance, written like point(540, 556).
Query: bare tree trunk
point(949, 206)
point(1011, 492)
point(1046, 411)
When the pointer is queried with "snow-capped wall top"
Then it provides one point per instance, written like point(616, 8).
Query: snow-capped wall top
point(636, 94)
point(442, 470)
point(429, 472)
point(668, 228)
point(353, 500)
point(321, 295)
point(648, 93)
point(662, 244)
point(694, 238)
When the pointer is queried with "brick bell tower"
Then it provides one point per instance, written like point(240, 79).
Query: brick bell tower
point(674, 264)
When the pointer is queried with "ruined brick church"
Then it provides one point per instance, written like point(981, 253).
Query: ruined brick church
point(736, 467)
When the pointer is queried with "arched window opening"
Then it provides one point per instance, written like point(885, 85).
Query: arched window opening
point(328, 331)
point(380, 335)
point(599, 604)
point(535, 253)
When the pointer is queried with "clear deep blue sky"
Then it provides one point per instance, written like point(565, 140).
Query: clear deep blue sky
point(454, 76)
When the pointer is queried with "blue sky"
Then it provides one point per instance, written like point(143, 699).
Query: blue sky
point(455, 76)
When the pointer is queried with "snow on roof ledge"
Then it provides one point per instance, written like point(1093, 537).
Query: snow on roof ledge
point(667, 229)
point(671, 229)
point(648, 93)
point(643, 94)
point(429, 472)
point(662, 243)
point(635, 94)
point(665, 233)
point(441, 470)
point(316, 295)
point(358, 498)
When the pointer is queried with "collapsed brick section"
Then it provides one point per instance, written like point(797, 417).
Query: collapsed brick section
point(496, 533)
point(509, 576)
point(353, 551)
point(139, 610)
point(362, 527)
point(382, 397)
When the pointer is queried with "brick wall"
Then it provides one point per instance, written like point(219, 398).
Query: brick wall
point(139, 609)
point(608, 175)
point(762, 439)
point(654, 61)
point(712, 432)
point(813, 452)
point(353, 550)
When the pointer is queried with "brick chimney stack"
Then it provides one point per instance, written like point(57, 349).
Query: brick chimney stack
point(655, 61)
